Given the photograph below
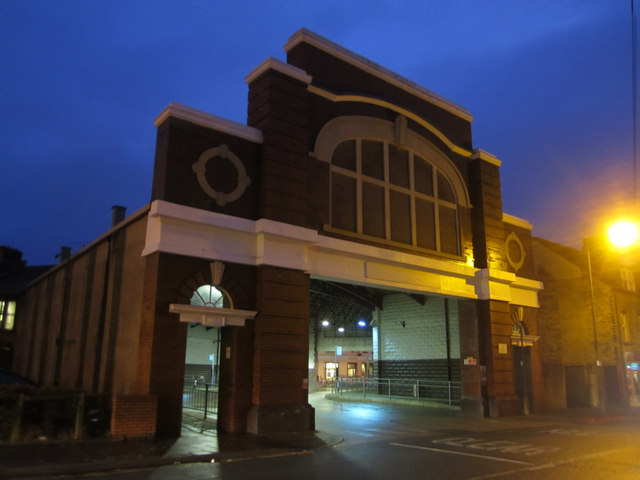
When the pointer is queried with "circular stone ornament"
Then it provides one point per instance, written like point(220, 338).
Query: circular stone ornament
point(200, 169)
point(514, 245)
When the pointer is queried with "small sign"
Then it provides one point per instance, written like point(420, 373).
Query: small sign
point(211, 357)
point(470, 361)
point(338, 351)
point(503, 348)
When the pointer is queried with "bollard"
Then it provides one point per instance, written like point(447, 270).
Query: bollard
point(79, 425)
point(17, 421)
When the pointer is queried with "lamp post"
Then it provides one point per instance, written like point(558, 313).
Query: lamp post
point(622, 235)
point(601, 402)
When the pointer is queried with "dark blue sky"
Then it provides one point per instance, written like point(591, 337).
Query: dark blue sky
point(547, 81)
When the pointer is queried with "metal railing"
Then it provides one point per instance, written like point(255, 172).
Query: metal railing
point(203, 398)
point(434, 390)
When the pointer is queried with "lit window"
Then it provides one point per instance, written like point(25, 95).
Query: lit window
point(628, 281)
point(624, 327)
point(352, 369)
point(209, 296)
point(330, 369)
point(7, 314)
point(393, 194)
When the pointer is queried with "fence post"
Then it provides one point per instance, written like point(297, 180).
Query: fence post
point(389, 387)
point(418, 389)
point(78, 430)
point(449, 385)
point(206, 399)
point(17, 421)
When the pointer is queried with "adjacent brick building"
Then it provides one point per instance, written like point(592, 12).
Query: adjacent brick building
point(591, 323)
point(345, 173)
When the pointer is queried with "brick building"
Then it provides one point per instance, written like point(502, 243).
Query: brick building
point(346, 175)
point(15, 275)
point(591, 343)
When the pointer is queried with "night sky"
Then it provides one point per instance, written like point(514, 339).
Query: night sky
point(548, 82)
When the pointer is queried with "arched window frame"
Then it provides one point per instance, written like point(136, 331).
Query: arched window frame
point(361, 128)
point(202, 296)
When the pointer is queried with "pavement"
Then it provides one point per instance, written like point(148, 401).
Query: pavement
point(200, 442)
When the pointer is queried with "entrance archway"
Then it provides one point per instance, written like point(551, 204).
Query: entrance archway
point(377, 345)
point(210, 307)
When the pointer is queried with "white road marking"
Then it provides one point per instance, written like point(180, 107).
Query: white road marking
point(546, 465)
point(465, 454)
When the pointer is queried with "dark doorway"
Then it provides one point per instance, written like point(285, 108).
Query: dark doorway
point(522, 374)
point(577, 386)
point(611, 385)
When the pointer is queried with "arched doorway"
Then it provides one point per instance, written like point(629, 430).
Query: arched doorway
point(206, 306)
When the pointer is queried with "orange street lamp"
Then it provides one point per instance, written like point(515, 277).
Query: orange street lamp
point(623, 233)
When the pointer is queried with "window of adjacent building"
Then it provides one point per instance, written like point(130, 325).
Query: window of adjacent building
point(330, 369)
point(352, 369)
point(628, 281)
point(624, 327)
point(393, 194)
point(7, 314)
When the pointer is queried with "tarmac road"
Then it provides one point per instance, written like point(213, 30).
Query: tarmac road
point(399, 442)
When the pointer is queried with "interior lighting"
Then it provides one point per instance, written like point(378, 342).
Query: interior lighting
point(325, 323)
point(362, 323)
point(341, 329)
point(623, 233)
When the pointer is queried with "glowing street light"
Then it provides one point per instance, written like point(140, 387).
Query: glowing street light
point(623, 234)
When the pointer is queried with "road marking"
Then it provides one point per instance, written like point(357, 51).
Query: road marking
point(546, 465)
point(465, 454)
point(502, 446)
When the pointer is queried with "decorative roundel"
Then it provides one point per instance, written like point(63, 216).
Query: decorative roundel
point(200, 169)
point(515, 251)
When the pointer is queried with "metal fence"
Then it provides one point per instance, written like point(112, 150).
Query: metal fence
point(203, 398)
point(434, 390)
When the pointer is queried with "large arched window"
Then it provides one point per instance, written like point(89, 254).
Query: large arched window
point(393, 193)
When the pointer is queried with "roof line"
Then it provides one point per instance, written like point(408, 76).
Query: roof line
point(307, 36)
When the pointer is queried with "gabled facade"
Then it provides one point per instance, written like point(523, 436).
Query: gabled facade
point(345, 172)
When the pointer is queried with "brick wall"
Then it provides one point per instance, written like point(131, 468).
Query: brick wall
point(488, 227)
point(281, 337)
point(278, 106)
point(423, 334)
point(133, 416)
point(413, 339)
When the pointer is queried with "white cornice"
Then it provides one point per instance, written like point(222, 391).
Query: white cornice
point(306, 36)
point(192, 232)
point(486, 156)
point(212, 316)
point(208, 120)
point(274, 64)
point(518, 222)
